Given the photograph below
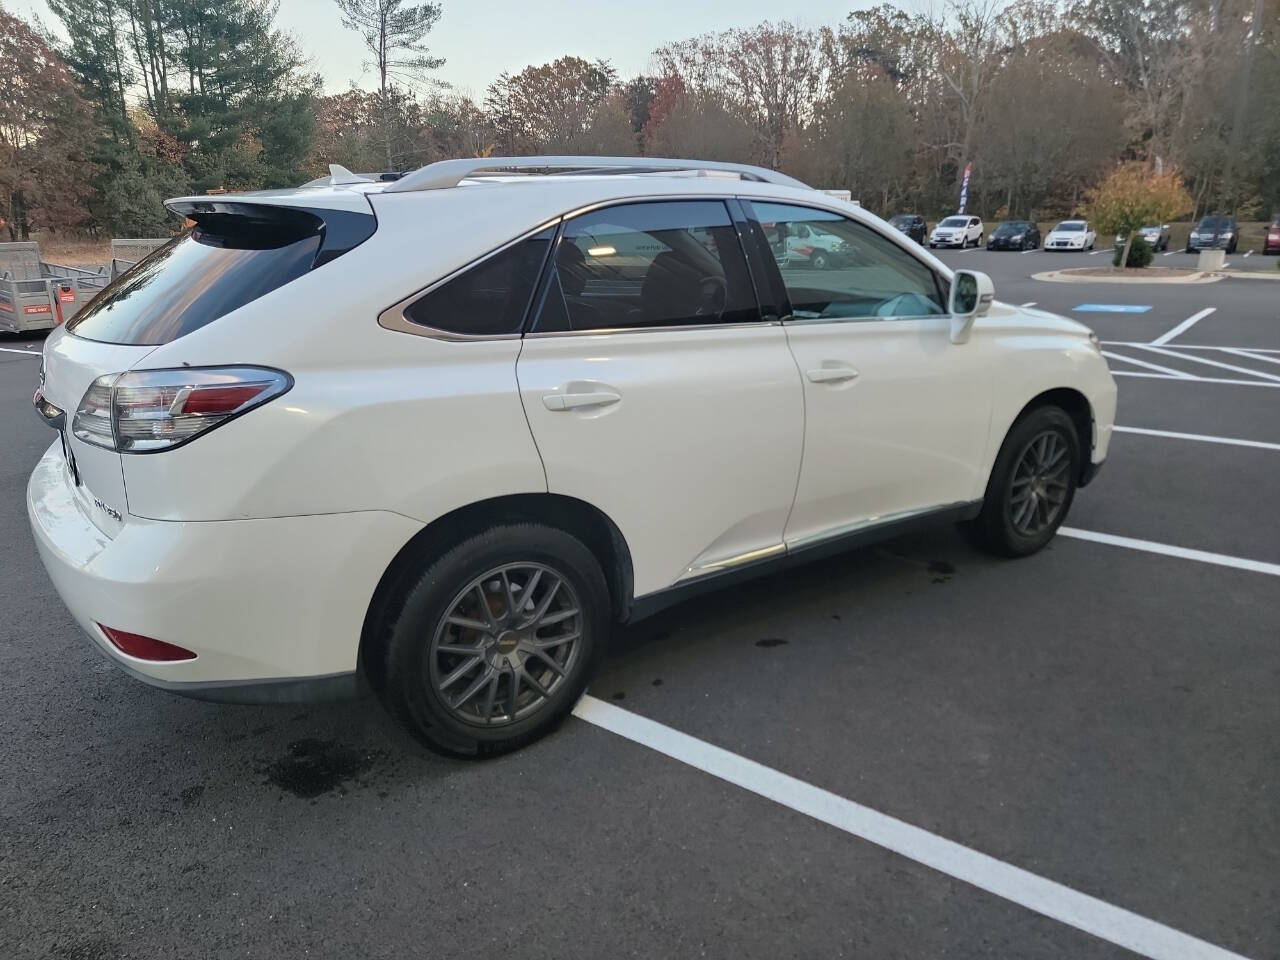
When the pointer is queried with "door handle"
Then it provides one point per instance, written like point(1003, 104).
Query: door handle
point(578, 401)
point(831, 374)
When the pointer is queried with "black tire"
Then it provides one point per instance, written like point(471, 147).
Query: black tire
point(994, 528)
point(819, 261)
point(405, 681)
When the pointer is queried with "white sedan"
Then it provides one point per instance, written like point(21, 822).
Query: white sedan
point(309, 441)
point(1071, 235)
point(957, 231)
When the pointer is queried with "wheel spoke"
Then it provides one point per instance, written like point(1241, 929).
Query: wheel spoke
point(487, 709)
point(473, 689)
point(554, 642)
point(460, 651)
point(485, 609)
point(551, 619)
point(459, 672)
point(548, 660)
point(531, 681)
point(545, 602)
point(510, 597)
point(515, 694)
point(526, 594)
point(467, 623)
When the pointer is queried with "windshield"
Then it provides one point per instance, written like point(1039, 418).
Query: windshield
point(902, 220)
point(1012, 226)
point(1215, 223)
point(954, 222)
point(1069, 227)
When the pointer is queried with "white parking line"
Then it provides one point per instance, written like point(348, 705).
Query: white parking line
point(1185, 379)
point(1191, 346)
point(1168, 550)
point(1023, 253)
point(1251, 354)
point(1029, 303)
point(1203, 438)
point(1209, 363)
point(1184, 326)
point(1247, 252)
point(29, 353)
point(1111, 923)
point(1150, 366)
point(1094, 253)
point(1169, 253)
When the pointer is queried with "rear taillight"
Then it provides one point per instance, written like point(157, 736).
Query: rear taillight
point(145, 648)
point(150, 410)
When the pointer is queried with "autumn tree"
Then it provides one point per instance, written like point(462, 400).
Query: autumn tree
point(46, 136)
point(1132, 197)
point(393, 32)
point(702, 126)
point(551, 107)
point(768, 74)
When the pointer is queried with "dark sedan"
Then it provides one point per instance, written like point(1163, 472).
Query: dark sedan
point(912, 224)
point(1214, 233)
point(1014, 235)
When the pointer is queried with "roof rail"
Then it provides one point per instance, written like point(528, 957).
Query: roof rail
point(449, 173)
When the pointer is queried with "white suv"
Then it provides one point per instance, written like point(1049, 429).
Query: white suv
point(330, 435)
point(957, 231)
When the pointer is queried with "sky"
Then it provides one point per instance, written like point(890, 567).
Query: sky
point(482, 38)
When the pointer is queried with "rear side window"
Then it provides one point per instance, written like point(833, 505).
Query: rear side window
point(226, 261)
point(663, 264)
point(489, 298)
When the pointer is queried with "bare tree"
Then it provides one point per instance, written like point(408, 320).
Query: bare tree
point(393, 31)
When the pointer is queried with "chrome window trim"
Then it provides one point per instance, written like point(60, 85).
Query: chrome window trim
point(666, 328)
point(393, 317)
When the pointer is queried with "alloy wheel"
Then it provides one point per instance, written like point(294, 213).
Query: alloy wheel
point(1041, 483)
point(506, 644)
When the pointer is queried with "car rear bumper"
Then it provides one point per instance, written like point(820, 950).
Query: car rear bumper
point(273, 609)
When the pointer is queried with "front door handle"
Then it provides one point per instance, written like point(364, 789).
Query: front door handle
point(831, 374)
point(577, 401)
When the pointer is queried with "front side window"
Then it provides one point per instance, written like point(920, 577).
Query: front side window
point(490, 298)
point(641, 265)
point(858, 274)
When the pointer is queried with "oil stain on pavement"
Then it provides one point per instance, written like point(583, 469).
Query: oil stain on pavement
point(314, 767)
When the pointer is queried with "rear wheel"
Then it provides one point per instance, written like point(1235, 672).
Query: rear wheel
point(493, 645)
point(819, 260)
point(1032, 484)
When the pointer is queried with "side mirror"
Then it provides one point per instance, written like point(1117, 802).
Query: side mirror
point(972, 293)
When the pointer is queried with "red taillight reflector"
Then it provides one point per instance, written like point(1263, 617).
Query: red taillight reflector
point(145, 648)
point(208, 400)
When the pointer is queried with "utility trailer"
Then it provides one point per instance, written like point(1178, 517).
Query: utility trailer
point(36, 295)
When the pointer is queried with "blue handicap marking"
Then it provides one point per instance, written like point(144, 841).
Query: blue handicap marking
point(1111, 308)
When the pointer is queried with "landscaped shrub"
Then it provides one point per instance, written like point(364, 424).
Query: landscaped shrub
point(1140, 254)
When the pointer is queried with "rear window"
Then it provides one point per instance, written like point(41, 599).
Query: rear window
point(227, 260)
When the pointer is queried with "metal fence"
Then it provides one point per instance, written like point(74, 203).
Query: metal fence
point(125, 253)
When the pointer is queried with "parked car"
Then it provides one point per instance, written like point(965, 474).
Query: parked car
point(1271, 242)
point(812, 246)
point(912, 224)
point(1070, 235)
point(1155, 235)
point(958, 231)
point(1014, 235)
point(1214, 232)
point(605, 394)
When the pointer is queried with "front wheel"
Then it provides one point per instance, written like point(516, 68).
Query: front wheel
point(494, 643)
point(819, 261)
point(1032, 484)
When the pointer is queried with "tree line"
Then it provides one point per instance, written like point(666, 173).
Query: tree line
point(144, 99)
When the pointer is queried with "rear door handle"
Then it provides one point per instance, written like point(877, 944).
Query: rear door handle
point(831, 374)
point(577, 401)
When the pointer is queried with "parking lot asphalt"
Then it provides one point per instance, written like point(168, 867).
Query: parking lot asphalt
point(1102, 716)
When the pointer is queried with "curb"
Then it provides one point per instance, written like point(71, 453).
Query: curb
point(1251, 274)
point(1066, 276)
